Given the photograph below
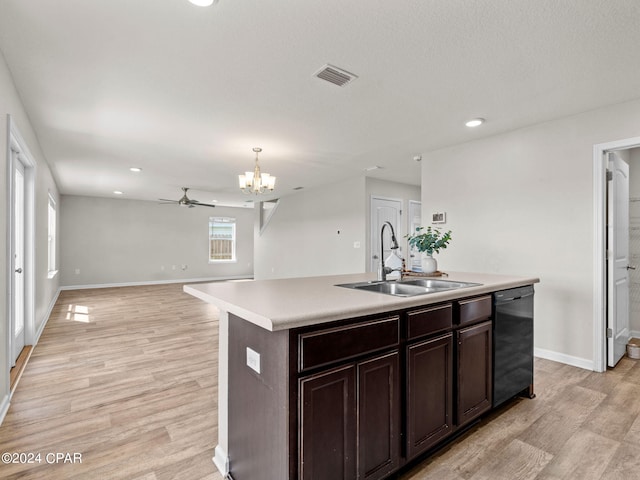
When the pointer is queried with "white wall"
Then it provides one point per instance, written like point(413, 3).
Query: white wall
point(119, 241)
point(302, 236)
point(45, 289)
point(522, 203)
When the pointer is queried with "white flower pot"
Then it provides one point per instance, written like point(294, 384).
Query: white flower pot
point(429, 264)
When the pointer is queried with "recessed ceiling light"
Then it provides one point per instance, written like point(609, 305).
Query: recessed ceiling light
point(474, 122)
point(135, 169)
point(117, 192)
point(203, 3)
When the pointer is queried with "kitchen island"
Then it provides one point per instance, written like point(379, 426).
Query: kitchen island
point(329, 382)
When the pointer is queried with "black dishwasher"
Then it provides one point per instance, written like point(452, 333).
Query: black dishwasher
point(512, 343)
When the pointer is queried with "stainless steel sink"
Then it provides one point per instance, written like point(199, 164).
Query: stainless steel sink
point(439, 284)
point(408, 288)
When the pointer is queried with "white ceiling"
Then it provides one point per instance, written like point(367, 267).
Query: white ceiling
point(186, 92)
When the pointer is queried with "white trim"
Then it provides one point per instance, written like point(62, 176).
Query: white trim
point(4, 408)
point(563, 358)
point(599, 247)
point(16, 144)
point(221, 460)
point(46, 317)
point(264, 220)
point(156, 282)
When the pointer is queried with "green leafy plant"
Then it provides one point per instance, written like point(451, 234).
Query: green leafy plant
point(430, 240)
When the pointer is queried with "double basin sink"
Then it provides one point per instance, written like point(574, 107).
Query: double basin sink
point(408, 288)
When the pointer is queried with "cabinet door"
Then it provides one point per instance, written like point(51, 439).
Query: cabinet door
point(474, 372)
point(378, 416)
point(328, 425)
point(429, 393)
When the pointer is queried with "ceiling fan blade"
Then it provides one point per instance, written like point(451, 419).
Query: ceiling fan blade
point(167, 200)
point(195, 202)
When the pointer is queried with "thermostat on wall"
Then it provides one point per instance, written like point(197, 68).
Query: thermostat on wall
point(440, 217)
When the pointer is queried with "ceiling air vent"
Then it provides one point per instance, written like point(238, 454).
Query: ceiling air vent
point(335, 75)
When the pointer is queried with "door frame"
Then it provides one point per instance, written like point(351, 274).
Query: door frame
point(17, 145)
point(399, 227)
point(600, 246)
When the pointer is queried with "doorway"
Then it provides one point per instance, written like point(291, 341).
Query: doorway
point(20, 245)
point(601, 300)
point(383, 210)
point(18, 229)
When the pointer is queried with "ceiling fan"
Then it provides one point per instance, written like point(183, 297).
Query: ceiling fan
point(186, 201)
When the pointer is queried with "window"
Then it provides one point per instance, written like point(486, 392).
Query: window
point(52, 237)
point(222, 239)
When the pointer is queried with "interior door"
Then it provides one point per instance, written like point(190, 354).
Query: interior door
point(383, 210)
point(414, 262)
point(18, 287)
point(618, 259)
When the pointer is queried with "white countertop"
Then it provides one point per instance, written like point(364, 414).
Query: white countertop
point(295, 302)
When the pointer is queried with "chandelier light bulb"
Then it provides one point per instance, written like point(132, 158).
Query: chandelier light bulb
point(256, 182)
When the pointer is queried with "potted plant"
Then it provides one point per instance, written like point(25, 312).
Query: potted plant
point(429, 241)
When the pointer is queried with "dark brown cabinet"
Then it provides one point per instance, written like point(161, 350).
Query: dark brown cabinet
point(327, 440)
point(473, 366)
point(350, 421)
point(429, 393)
point(378, 384)
point(357, 399)
point(349, 418)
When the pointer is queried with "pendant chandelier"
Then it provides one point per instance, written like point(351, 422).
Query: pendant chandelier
point(256, 182)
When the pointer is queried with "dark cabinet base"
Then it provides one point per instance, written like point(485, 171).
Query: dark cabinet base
point(357, 399)
point(429, 393)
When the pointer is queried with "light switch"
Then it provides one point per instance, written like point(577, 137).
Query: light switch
point(253, 360)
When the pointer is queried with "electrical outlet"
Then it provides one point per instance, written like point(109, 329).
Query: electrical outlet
point(77, 271)
point(253, 360)
point(356, 244)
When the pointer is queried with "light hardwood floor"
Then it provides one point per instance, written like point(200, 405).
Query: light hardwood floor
point(127, 377)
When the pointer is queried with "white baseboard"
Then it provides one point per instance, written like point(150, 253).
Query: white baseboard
point(4, 408)
point(155, 282)
point(563, 358)
point(46, 316)
point(634, 334)
point(221, 460)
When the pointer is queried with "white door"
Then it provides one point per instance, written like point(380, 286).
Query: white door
point(18, 287)
point(618, 259)
point(414, 262)
point(383, 210)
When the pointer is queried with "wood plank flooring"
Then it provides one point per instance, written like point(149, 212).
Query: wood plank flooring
point(21, 362)
point(127, 377)
point(582, 425)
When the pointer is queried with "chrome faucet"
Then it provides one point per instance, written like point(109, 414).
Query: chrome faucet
point(382, 274)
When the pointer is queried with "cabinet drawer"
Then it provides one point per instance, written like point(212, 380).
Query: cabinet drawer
point(429, 320)
point(474, 310)
point(331, 345)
